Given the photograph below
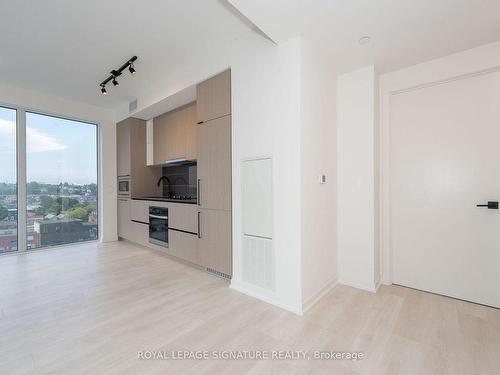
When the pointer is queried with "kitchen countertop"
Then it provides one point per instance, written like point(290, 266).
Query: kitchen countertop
point(164, 199)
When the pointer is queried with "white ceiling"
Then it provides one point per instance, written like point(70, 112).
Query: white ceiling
point(403, 32)
point(67, 48)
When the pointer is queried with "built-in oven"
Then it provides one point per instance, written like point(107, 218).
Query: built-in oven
point(124, 186)
point(158, 226)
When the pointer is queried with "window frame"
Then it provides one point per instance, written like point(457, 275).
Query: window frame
point(21, 167)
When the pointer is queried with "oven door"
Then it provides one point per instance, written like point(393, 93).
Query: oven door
point(158, 230)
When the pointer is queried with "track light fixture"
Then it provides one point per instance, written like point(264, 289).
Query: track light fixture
point(118, 72)
point(131, 68)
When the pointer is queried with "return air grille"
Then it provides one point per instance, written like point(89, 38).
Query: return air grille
point(218, 273)
point(258, 261)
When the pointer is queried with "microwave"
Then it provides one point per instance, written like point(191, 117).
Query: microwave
point(124, 186)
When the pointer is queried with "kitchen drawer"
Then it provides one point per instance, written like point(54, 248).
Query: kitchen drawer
point(183, 245)
point(139, 211)
point(139, 233)
point(183, 217)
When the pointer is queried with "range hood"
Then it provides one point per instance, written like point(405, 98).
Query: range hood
point(179, 161)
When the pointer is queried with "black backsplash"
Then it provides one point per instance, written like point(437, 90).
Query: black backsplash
point(182, 180)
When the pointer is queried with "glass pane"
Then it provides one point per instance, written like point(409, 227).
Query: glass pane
point(61, 181)
point(8, 181)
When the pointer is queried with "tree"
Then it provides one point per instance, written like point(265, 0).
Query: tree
point(78, 213)
point(62, 204)
point(4, 212)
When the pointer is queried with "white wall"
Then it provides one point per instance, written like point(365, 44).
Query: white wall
point(356, 197)
point(319, 155)
point(266, 105)
point(104, 118)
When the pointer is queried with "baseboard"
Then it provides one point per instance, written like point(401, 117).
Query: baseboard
point(367, 287)
point(311, 301)
point(253, 292)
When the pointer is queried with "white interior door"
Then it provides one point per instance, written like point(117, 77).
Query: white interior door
point(445, 159)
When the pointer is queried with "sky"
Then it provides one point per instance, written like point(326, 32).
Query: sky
point(58, 150)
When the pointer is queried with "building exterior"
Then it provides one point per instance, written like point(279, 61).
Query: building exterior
point(62, 231)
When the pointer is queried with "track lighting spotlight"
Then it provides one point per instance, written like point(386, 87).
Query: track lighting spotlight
point(118, 72)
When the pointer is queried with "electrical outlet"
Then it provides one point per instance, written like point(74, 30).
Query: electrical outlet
point(322, 179)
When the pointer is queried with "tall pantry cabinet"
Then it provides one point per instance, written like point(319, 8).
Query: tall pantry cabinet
point(214, 173)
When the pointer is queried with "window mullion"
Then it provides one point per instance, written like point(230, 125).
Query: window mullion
point(21, 181)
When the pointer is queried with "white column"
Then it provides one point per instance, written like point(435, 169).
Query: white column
point(357, 191)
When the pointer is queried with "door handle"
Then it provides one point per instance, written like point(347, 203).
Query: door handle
point(199, 231)
point(491, 205)
point(199, 192)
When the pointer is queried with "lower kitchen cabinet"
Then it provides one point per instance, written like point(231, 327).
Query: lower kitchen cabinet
point(124, 218)
point(139, 233)
point(183, 245)
point(214, 242)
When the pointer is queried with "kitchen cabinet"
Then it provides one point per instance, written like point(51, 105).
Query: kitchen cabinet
point(213, 97)
point(214, 243)
point(183, 217)
point(139, 211)
point(174, 135)
point(183, 245)
point(124, 218)
point(214, 164)
point(139, 233)
point(131, 157)
point(123, 148)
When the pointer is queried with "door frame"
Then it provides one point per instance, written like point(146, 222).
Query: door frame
point(478, 61)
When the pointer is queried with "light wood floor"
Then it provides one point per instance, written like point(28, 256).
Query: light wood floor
point(89, 309)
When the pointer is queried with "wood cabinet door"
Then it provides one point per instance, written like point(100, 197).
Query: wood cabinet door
point(214, 243)
point(214, 97)
point(183, 217)
point(214, 164)
point(123, 148)
point(183, 245)
point(124, 218)
point(139, 211)
point(174, 135)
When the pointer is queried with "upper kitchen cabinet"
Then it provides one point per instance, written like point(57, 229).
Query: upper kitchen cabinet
point(123, 147)
point(131, 157)
point(214, 164)
point(214, 97)
point(174, 135)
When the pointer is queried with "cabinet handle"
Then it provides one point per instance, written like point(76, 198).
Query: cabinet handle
point(199, 231)
point(198, 191)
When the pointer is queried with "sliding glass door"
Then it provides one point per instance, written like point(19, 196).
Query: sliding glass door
point(8, 180)
point(61, 174)
point(56, 163)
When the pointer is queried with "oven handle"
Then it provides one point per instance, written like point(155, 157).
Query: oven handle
point(158, 217)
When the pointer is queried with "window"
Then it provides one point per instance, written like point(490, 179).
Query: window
point(61, 169)
point(8, 180)
point(55, 201)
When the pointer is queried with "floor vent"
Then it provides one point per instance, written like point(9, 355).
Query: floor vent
point(218, 273)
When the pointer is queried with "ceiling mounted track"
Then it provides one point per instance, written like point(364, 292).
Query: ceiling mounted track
point(115, 73)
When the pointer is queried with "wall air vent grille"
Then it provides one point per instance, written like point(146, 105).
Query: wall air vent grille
point(258, 261)
point(218, 273)
point(132, 106)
